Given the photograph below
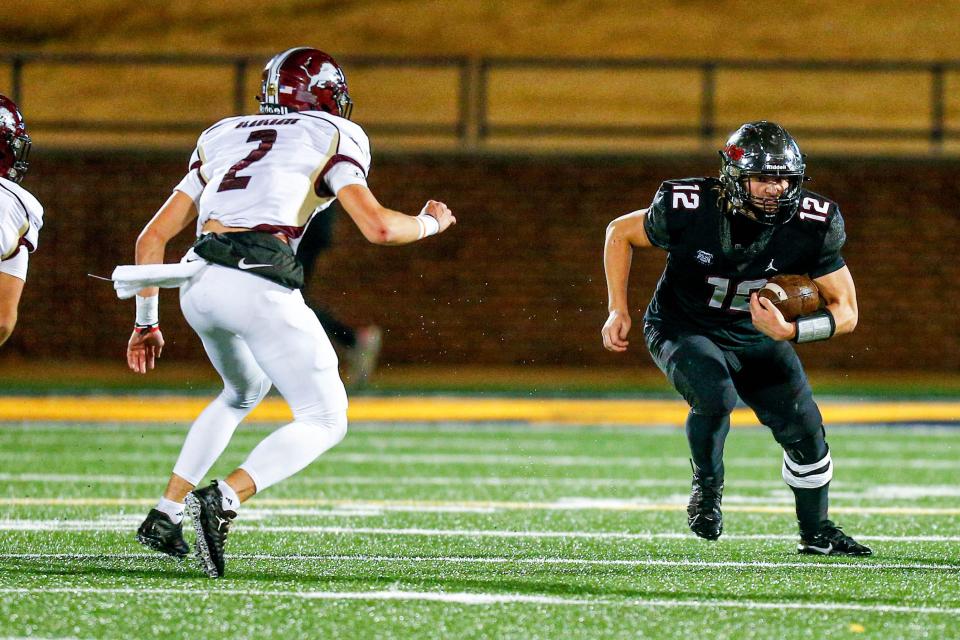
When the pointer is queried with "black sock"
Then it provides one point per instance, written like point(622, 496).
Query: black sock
point(706, 435)
point(811, 502)
point(811, 508)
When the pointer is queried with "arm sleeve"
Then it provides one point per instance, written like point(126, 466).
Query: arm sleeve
point(193, 183)
point(16, 266)
point(655, 223)
point(830, 259)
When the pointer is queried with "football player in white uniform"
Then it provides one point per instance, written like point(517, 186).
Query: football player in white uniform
point(254, 183)
point(21, 216)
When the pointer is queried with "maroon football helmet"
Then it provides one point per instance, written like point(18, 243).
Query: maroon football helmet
point(304, 79)
point(14, 141)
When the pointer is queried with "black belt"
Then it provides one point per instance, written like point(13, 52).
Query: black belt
point(256, 252)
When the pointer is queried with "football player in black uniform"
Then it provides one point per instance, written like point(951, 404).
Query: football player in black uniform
point(715, 339)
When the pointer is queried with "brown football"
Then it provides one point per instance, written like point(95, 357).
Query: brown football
point(793, 295)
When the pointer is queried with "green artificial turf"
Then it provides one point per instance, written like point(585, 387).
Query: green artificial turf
point(480, 531)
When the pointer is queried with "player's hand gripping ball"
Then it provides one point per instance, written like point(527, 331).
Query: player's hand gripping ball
point(793, 295)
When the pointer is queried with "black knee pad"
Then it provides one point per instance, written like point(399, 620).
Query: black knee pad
point(809, 449)
point(706, 398)
point(798, 422)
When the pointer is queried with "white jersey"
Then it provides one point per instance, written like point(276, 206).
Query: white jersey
point(21, 218)
point(274, 172)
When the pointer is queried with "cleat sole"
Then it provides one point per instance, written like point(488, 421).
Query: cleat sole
point(202, 549)
point(816, 551)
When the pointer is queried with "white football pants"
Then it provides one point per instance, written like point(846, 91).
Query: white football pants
point(256, 332)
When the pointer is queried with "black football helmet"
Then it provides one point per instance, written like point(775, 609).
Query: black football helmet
point(762, 149)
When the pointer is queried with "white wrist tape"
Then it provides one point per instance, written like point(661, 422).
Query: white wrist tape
point(429, 226)
point(148, 311)
point(816, 326)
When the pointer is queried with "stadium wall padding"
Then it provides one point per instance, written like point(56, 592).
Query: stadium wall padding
point(519, 280)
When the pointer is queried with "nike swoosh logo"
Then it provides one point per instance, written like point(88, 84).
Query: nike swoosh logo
point(243, 265)
point(824, 550)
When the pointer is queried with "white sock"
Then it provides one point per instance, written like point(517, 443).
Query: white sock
point(172, 509)
point(230, 500)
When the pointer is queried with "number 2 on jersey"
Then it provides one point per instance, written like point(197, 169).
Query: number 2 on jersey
point(231, 181)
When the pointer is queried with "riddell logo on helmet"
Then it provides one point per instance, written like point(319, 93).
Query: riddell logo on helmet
point(734, 152)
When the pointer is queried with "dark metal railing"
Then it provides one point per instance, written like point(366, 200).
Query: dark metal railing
point(473, 126)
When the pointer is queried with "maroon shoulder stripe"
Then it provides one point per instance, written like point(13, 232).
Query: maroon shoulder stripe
point(320, 186)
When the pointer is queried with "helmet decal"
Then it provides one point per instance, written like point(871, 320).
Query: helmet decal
point(734, 151)
point(327, 73)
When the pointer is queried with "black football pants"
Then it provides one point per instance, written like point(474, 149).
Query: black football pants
point(768, 377)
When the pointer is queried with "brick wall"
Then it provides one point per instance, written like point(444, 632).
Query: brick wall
point(519, 280)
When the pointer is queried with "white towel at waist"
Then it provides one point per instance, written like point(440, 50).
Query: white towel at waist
point(128, 279)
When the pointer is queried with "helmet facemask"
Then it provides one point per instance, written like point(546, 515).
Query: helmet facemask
point(770, 210)
point(18, 147)
point(14, 142)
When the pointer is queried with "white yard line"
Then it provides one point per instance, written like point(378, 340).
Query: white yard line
point(126, 524)
point(858, 565)
point(38, 638)
point(641, 462)
point(494, 481)
point(839, 489)
point(576, 503)
point(468, 598)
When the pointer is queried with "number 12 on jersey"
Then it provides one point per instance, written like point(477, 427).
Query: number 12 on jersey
point(740, 300)
point(686, 196)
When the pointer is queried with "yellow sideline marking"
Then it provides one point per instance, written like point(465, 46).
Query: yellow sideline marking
point(598, 505)
point(427, 409)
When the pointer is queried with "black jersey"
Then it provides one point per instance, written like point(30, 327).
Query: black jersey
point(706, 285)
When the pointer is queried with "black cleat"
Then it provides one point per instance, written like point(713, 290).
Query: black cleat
point(160, 534)
point(703, 511)
point(212, 523)
point(830, 540)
